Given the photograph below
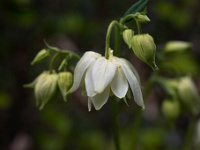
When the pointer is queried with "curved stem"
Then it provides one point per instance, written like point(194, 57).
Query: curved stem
point(138, 26)
point(129, 18)
point(189, 135)
point(138, 118)
point(107, 44)
point(117, 42)
point(60, 52)
point(115, 123)
point(68, 52)
point(52, 62)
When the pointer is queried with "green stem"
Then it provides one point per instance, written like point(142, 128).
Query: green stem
point(67, 52)
point(189, 134)
point(52, 62)
point(115, 123)
point(129, 18)
point(138, 118)
point(138, 26)
point(117, 42)
point(107, 44)
point(61, 52)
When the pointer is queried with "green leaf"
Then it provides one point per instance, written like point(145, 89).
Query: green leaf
point(137, 7)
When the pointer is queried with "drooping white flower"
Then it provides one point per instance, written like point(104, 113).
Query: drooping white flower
point(100, 76)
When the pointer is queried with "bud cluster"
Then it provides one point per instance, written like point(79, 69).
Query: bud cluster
point(142, 45)
point(47, 84)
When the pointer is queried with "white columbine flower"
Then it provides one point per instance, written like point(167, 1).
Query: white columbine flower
point(101, 76)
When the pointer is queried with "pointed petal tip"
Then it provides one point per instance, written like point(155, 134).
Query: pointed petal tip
point(142, 107)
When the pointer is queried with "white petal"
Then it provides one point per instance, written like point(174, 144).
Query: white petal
point(89, 85)
point(119, 84)
point(124, 61)
point(133, 82)
point(102, 74)
point(87, 59)
point(100, 99)
point(89, 104)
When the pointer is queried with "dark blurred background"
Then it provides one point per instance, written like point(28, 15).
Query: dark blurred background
point(78, 25)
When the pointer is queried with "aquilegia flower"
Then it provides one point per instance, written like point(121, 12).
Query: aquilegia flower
point(100, 76)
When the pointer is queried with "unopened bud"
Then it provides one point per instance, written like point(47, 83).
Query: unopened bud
point(170, 108)
point(177, 46)
point(64, 83)
point(41, 56)
point(143, 18)
point(188, 94)
point(127, 36)
point(145, 49)
point(45, 88)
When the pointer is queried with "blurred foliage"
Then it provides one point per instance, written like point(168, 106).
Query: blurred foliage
point(24, 24)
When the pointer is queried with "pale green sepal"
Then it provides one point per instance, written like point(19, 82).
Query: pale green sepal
point(126, 101)
point(143, 18)
point(64, 83)
point(30, 85)
point(127, 36)
point(41, 56)
point(145, 49)
point(45, 88)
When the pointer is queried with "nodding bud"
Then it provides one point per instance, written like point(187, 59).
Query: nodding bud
point(177, 46)
point(170, 108)
point(45, 88)
point(41, 56)
point(65, 80)
point(127, 36)
point(145, 49)
point(142, 18)
point(188, 94)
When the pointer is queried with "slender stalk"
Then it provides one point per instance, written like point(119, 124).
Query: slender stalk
point(115, 123)
point(138, 118)
point(132, 17)
point(117, 42)
point(107, 44)
point(127, 18)
point(52, 62)
point(189, 135)
point(138, 26)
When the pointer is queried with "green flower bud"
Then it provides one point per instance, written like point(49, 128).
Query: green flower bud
point(64, 83)
point(127, 36)
point(188, 94)
point(144, 48)
point(143, 18)
point(41, 56)
point(170, 108)
point(45, 88)
point(177, 46)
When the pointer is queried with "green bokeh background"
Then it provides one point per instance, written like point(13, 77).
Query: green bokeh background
point(80, 25)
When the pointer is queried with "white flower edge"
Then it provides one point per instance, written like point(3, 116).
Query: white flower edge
point(87, 59)
point(133, 82)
